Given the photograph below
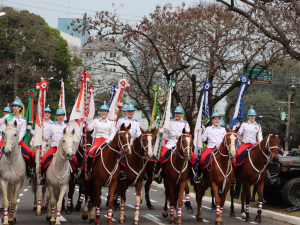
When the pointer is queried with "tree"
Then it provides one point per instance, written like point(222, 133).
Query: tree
point(191, 45)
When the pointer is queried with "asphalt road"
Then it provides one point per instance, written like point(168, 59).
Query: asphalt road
point(26, 215)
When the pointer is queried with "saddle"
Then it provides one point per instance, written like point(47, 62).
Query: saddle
point(208, 160)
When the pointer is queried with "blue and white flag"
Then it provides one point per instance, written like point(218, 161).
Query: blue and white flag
point(112, 94)
point(239, 106)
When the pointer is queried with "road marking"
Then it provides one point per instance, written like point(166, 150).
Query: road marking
point(103, 198)
point(106, 194)
point(134, 193)
point(111, 218)
point(152, 200)
point(153, 217)
point(29, 186)
point(153, 220)
point(253, 222)
point(18, 200)
point(21, 194)
point(240, 218)
point(62, 218)
point(206, 221)
point(131, 206)
point(206, 207)
point(25, 189)
point(127, 190)
point(152, 190)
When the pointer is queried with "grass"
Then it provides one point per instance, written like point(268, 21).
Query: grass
point(274, 208)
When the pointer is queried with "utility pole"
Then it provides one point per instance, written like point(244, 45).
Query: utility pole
point(16, 71)
point(288, 119)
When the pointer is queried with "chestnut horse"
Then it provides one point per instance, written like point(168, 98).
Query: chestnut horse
point(219, 174)
point(106, 171)
point(176, 175)
point(135, 171)
point(253, 172)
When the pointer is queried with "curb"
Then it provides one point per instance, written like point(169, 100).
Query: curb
point(266, 213)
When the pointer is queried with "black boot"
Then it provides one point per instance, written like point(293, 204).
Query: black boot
point(29, 173)
point(43, 181)
point(145, 177)
point(233, 182)
point(122, 175)
point(158, 179)
point(198, 180)
point(90, 174)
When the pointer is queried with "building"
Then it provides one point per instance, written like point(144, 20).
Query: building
point(64, 25)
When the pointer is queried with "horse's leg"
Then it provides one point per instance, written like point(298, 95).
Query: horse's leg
point(213, 204)
point(45, 205)
point(63, 190)
point(243, 196)
point(259, 188)
point(215, 190)
point(34, 188)
point(52, 203)
point(187, 199)
point(85, 213)
point(4, 186)
point(232, 214)
point(80, 198)
point(1, 201)
point(13, 210)
point(39, 196)
point(165, 211)
point(122, 194)
point(112, 190)
point(181, 187)
point(70, 195)
point(172, 203)
point(248, 193)
point(138, 191)
point(49, 209)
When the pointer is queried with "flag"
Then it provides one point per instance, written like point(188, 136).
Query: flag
point(239, 106)
point(155, 111)
point(62, 103)
point(112, 94)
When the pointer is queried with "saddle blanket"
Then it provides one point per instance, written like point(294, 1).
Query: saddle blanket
point(93, 153)
point(206, 159)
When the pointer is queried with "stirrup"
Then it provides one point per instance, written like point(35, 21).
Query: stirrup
point(29, 173)
point(90, 175)
point(158, 179)
point(122, 175)
point(198, 180)
point(233, 182)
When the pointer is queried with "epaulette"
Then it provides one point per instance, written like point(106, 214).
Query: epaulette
point(23, 118)
point(184, 121)
point(110, 120)
point(135, 120)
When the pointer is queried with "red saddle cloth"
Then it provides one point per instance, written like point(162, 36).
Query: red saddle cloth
point(241, 153)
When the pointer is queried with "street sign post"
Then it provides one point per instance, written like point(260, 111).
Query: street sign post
point(265, 77)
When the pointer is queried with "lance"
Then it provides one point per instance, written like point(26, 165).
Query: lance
point(165, 123)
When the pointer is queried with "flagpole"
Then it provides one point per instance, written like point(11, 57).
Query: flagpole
point(85, 126)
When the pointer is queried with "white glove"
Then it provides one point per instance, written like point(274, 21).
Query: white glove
point(107, 141)
point(203, 129)
point(29, 127)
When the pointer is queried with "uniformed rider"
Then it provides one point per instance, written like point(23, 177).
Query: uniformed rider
point(214, 136)
point(172, 135)
point(104, 130)
point(135, 130)
point(21, 121)
point(6, 110)
point(54, 133)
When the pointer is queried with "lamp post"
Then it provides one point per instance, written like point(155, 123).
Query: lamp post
point(270, 117)
point(2, 13)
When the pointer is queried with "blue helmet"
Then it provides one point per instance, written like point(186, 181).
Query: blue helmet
point(222, 123)
point(124, 108)
point(179, 109)
point(99, 112)
point(47, 109)
point(17, 102)
point(130, 107)
point(7, 109)
point(251, 112)
point(215, 114)
point(60, 112)
point(171, 116)
point(104, 107)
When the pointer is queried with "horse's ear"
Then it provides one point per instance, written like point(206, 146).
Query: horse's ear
point(142, 130)
point(73, 132)
point(129, 127)
point(153, 131)
point(183, 130)
point(270, 131)
point(65, 131)
point(122, 126)
point(279, 132)
point(227, 130)
point(6, 122)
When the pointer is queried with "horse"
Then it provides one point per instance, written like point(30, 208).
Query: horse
point(12, 171)
point(38, 190)
point(176, 175)
point(58, 174)
point(106, 171)
point(219, 174)
point(253, 172)
point(135, 171)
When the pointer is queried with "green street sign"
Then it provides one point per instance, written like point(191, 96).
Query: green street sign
point(265, 77)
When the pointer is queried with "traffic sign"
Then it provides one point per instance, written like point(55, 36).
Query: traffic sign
point(265, 77)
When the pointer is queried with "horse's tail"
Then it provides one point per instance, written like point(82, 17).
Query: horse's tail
point(237, 190)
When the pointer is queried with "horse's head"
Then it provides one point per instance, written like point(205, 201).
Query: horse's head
point(186, 143)
point(11, 137)
point(272, 144)
point(230, 141)
point(147, 142)
point(124, 139)
point(67, 142)
point(89, 139)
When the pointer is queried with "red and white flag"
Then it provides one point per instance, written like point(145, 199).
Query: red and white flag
point(62, 103)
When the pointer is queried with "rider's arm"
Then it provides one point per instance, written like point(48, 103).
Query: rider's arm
point(112, 132)
point(22, 131)
point(205, 135)
point(240, 131)
point(2, 120)
point(91, 126)
point(259, 135)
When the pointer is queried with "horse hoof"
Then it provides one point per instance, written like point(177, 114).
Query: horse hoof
point(179, 223)
point(34, 209)
point(52, 222)
point(116, 208)
point(165, 215)
point(44, 208)
point(150, 207)
point(213, 207)
point(232, 214)
point(257, 219)
point(85, 217)
point(77, 207)
point(92, 220)
point(10, 222)
point(1, 209)
point(199, 219)
point(48, 218)
point(122, 221)
point(38, 213)
point(248, 219)
point(134, 222)
point(219, 223)
point(68, 212)
point(172, 221)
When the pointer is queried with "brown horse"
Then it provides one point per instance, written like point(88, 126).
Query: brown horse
point(219, 175)
point(106, 171)
point(176, 175)
point(135, 171)
point(252, 172)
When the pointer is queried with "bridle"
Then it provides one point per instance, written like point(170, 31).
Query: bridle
point(268, 148)
point(181, 147)
point(228, 146)
point(142, 145)
point(13, 144)
point(65, 149)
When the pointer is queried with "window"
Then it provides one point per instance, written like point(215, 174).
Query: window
point(87, 53)
point(112, 69)
point(124, 54)
point(113, 54)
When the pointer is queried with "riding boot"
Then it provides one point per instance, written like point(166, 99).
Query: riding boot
point(29, 172)
point(233, 182)
point(145, 177)
point(43, 179)
point(90, 174)
point(158, 178)
point(197, 179)
point(122, 175)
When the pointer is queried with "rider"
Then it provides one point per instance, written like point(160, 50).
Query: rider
point(124, 111)
point(214, 136)
point(135, 130)
point(104, 130)
point(55, 133)
point(6, 110)
point(222, 123)
point(172, 135)
point(21, 121)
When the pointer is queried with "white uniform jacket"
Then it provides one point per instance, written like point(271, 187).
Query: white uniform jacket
point(213, 136)
point(103, 128)
point(250, 132)
point(56, 132)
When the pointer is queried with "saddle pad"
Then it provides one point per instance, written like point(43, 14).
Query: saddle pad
point(209, 158)
point(98, 150)
point(241, 159)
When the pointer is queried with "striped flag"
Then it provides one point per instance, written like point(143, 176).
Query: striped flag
point(62, 103)
point(239, 106)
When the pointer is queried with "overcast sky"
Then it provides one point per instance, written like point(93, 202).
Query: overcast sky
point(132, 10)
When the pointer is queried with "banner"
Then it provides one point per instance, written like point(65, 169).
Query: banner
point(62, 103)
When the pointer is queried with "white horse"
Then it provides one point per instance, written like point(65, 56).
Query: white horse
point(12, 170)
point(38, 190)
point(58, 175)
